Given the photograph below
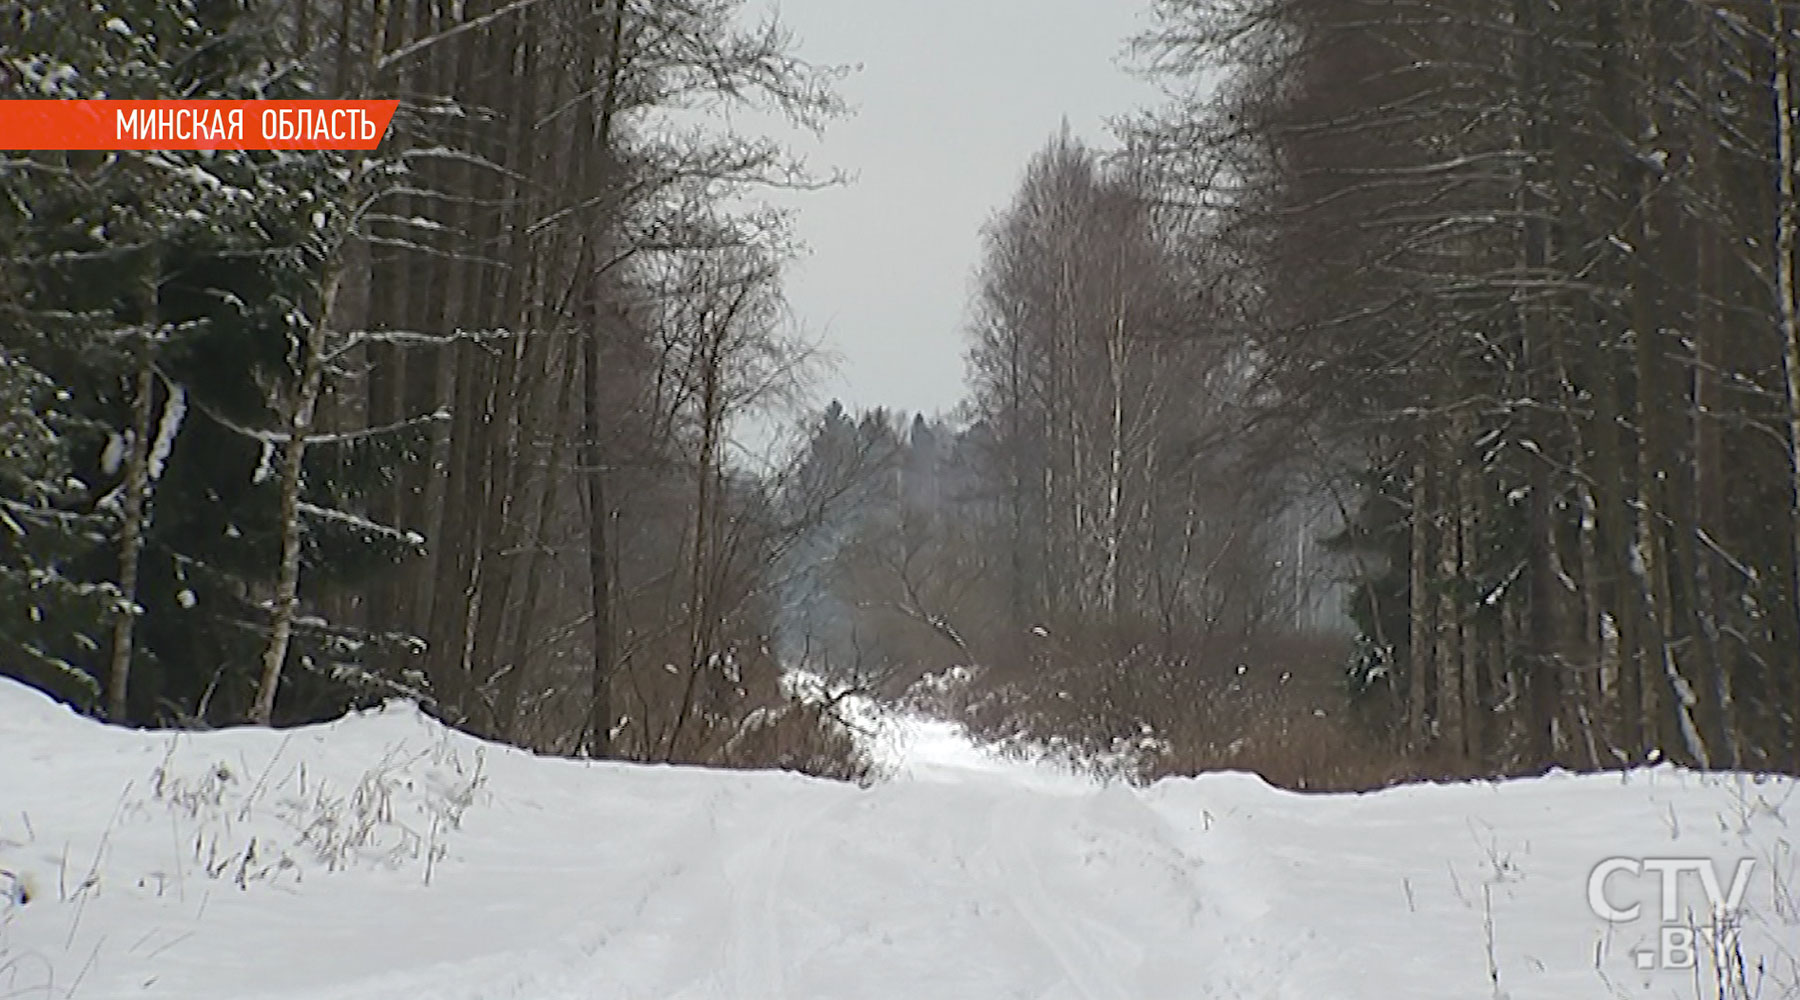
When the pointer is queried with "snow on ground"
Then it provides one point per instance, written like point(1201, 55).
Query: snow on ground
point(902, 743)
point(383, 857)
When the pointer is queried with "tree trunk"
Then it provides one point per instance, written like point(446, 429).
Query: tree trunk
point(600, 714)
point(285, 604)
point(1706, 527)
point(1421, 653)
point(1670, 698)
point(533, 541)
point(1468, 530)
point(1787, 284)
point(699, 610)
point(468, 378)
point(136, 488)
point(1451, 721)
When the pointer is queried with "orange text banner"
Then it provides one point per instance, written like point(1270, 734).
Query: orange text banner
point(194, 124)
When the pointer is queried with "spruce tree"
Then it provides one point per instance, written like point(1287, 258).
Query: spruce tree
point(47, 618)
point(164, 294)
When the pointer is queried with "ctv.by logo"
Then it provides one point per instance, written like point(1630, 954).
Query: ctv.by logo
point(1679, 940)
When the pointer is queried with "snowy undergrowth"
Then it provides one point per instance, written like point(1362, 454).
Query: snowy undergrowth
point(278, 823)
point(174, 815)
point(233, 815)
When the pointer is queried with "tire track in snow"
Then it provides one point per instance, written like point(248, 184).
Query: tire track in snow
point(1012, 828)
point(755, 958)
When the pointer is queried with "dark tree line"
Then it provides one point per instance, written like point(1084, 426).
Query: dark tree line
point(1526, 271)
point(453, 420)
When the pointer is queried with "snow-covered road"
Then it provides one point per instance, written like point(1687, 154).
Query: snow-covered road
point(967, 877)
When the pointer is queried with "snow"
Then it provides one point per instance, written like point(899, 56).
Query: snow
point(166, 429)
point(112, 457)
point(395, 859)
point(360, 524)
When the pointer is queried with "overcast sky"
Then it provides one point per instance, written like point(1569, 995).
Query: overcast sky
point(952, 99)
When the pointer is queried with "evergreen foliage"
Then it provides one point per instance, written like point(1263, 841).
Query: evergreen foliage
point(192, 275)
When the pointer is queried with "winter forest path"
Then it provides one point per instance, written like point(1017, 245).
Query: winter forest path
point(965, 876)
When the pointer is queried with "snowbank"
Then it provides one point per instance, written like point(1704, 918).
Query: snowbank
point(382, 856)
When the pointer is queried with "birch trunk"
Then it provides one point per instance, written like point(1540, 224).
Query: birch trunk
point(1117, 357)
point(286, 603)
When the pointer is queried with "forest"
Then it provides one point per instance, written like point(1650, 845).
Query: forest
point(1414, 393)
